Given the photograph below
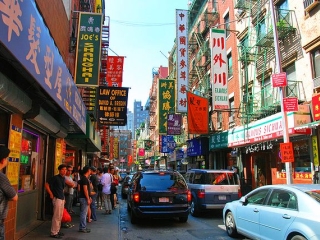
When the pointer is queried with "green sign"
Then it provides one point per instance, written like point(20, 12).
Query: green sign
point(218, 140)
point(87, 70)
point(166, 101)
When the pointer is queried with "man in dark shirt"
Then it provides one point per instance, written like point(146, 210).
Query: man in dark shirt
point(54, 187)
point(84, 198)
point(7, 192)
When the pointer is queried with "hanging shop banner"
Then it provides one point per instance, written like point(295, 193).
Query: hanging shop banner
point(218, 140)
point(87, 71)
point(148, 144)
point(316, 107)
point(141, 152)
point(111, 144)
point(166, 95)
point(174, 124)
point(114, 71)
point(116, 148)
point(182, 60)
point(315, 150)
point(25, 35)
point(112, 102)
point(198, 114)
point(219, 69)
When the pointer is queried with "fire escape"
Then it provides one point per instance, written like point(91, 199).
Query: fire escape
point(256, 55)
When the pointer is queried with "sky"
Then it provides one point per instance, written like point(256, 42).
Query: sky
point(143, 31)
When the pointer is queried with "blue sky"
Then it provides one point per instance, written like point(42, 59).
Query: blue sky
point(140, 30)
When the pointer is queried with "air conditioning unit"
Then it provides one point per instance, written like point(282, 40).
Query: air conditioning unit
point(231, 119)
point(219, 125)
point(214, 11)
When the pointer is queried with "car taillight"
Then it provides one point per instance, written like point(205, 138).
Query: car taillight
point(189, 196)
point(201, 193)
point(136, 197)
point(239, 193)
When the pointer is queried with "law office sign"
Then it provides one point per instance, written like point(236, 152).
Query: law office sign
point(112, 102)
point(87, 70)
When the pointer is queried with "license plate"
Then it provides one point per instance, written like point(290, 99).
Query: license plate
point(222, 197)
point(163, 199)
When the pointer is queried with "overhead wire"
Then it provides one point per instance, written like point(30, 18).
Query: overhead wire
point(140, 24)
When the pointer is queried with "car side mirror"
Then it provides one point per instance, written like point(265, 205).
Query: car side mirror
point(243, 200)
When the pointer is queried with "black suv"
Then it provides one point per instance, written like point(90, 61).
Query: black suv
point(158, 194)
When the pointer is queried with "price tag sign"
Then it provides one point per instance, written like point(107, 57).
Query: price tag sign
point(286, 150)
point(290, 104)
point(279, 79)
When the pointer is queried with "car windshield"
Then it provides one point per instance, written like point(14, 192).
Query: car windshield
point(151, 182)
point(218, 178)
point(315, 194)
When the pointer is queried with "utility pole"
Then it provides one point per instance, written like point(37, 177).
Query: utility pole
point(281, 89)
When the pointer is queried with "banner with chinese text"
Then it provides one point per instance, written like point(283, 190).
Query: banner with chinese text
point(219, 69)
point(112, 106)
point(182, 60)
point(198, 114)
point(166, 89)
point(174, 124)
point(87, 71)
point(316, 107)
point(114, 71)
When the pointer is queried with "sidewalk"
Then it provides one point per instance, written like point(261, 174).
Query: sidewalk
point(106, 226)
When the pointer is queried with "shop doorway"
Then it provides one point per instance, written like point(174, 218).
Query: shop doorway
point(262, 171)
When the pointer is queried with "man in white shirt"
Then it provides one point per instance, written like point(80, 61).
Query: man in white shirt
point(106, 181)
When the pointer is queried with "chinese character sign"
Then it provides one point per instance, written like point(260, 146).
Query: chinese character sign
point(316, 107)
point(182, 60)
point(25, 35)
point(198, 114)
point(166, 95)
point(219, 69)
point(114, 71)
point(174, 124)
point(87, 70)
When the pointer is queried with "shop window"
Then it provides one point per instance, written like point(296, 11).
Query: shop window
point(28, 161)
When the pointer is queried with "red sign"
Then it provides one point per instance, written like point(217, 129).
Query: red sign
point(290, 104)
point(286, 152)
point(114, 71)
point(316, 107)
point(279, 79)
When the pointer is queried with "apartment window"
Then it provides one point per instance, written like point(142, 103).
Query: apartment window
point(231, 106)
point(316, 62)
point(262, 31)
point(230, 70)
point(227, 25)
point(266, 93)
point(292, 88)
point(283, 8)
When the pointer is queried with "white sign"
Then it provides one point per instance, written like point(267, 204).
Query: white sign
point(219, 69)
point(182, 60)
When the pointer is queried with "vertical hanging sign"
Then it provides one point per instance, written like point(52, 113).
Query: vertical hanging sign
point(87, 70)
point(182, 60)
point(219, 69)
point(166, 102)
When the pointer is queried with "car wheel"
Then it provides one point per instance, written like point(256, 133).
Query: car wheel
point(133, 217)
point(194, 209)
point(183, 219)
point(231, 225)
point(298, 237)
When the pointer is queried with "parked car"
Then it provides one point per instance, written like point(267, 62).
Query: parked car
point(288, 212)
point(125, 185)
point(211, 189)
point(158, 194)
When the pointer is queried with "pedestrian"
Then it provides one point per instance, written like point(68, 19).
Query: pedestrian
point(84, 198)
point(7, 192)
point(55, 186)
point(112, 195)
point(106, 181)
point(68, 194)
point(99, 196)
point(116, 180)
point(94, 193)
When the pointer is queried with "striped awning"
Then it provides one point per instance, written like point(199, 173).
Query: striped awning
point(308, 125)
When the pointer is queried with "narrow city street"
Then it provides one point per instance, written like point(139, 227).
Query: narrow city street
point(208, 226)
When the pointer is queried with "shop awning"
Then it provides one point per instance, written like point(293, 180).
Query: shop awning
point(308, 125)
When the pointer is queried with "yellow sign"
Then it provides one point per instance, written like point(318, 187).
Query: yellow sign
point(58, 160)
point(315, 150)
point(13, 172)
point(13, 167)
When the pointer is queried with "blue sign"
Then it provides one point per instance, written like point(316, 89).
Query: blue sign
point(179, 154)
point(168, 144)
point(194, 147)
point(25, 35)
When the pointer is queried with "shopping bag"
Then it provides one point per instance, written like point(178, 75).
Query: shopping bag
point(65, 216)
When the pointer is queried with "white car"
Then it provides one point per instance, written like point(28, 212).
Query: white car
point(288, 212)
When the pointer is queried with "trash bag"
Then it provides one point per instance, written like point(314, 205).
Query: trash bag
point(65, 216)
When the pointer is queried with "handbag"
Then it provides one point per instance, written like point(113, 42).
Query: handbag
point(65, 216)
point(113, 188)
